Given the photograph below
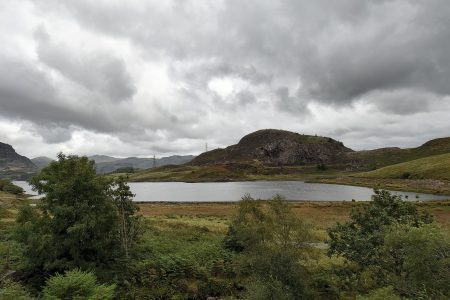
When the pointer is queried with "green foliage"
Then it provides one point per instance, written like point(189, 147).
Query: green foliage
point(277, 226)
point(76, 285)
point(9, 187)
point(361, 239)
point(176, 260)
point(385, 293)
point(129, 225)
point(418, 260)
point(272, 241)
point(77, 223)
point(12, 290)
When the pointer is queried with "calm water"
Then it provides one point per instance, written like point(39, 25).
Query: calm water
point(233, 191)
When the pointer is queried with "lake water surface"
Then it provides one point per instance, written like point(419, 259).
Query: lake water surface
point(233, 191)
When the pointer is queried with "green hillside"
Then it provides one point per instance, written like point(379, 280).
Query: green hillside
point(389, 156)
point(432, 167)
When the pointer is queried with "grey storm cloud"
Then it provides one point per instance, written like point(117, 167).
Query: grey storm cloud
point(167, 75)
point(99, 72)
point(28, 93)
point(339, 51)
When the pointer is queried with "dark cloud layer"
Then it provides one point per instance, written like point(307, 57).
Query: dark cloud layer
point(165, 76)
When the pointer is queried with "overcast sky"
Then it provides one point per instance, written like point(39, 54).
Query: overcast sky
point(137, 78)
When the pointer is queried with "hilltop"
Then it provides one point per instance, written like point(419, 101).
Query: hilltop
point(13, 165)
point(279, 147)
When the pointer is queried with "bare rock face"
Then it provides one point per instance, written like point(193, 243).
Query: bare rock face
point(288, 152)
point(13, 165)
point(279, 147)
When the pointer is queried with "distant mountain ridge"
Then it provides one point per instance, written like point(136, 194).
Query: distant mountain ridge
point(108, 164)
point(13, 165)
point(41, 161)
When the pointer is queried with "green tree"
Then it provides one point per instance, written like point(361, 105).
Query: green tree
point(361, 239)
point(77, 223)
point(418, 261)
point(272, 241)
point(129, 223)
point(77, 285)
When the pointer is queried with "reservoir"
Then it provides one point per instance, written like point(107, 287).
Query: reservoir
point(233, 191)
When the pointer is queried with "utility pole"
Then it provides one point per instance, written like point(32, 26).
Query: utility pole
point(206, 147)
point(154, 161)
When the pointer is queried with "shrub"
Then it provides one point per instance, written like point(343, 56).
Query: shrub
point(9, 187)
point(418, 260)
point(361, 239)
point(406, 175)
point(76, 285)
point(272, 240)
point(13, 290)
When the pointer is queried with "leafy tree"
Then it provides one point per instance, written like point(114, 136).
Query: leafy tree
point(272, 240)
point(79, 222)
point(77, 285)
point(361, 239)
point(418, 261)
point(129, 224)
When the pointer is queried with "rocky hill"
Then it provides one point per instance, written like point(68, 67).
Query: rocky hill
point(13, 165)
point(279, 147)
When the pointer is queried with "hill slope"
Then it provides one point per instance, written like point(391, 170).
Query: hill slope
point(13, 165)
point(371, 159)
point(278, 147)
point(432, 167)
point(41, 161)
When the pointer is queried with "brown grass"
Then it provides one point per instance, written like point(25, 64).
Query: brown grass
point(320, 214)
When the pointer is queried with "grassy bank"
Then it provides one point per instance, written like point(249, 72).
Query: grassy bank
point(234, 172)
point(433, 167)
point(320, 214)
point(429, 186)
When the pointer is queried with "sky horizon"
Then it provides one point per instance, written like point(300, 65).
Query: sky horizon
point(165, 77)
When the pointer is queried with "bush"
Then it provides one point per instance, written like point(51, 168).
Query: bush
point(418, 260)
point(9, 187)
point(272, 241)
point(321, 167)
point(12, 290)
point(386, 293)
point(361, 239)
point(76, 285)
point(406, 175)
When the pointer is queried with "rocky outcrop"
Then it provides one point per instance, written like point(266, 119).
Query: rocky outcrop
point(279, 147)
point(13, 165)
